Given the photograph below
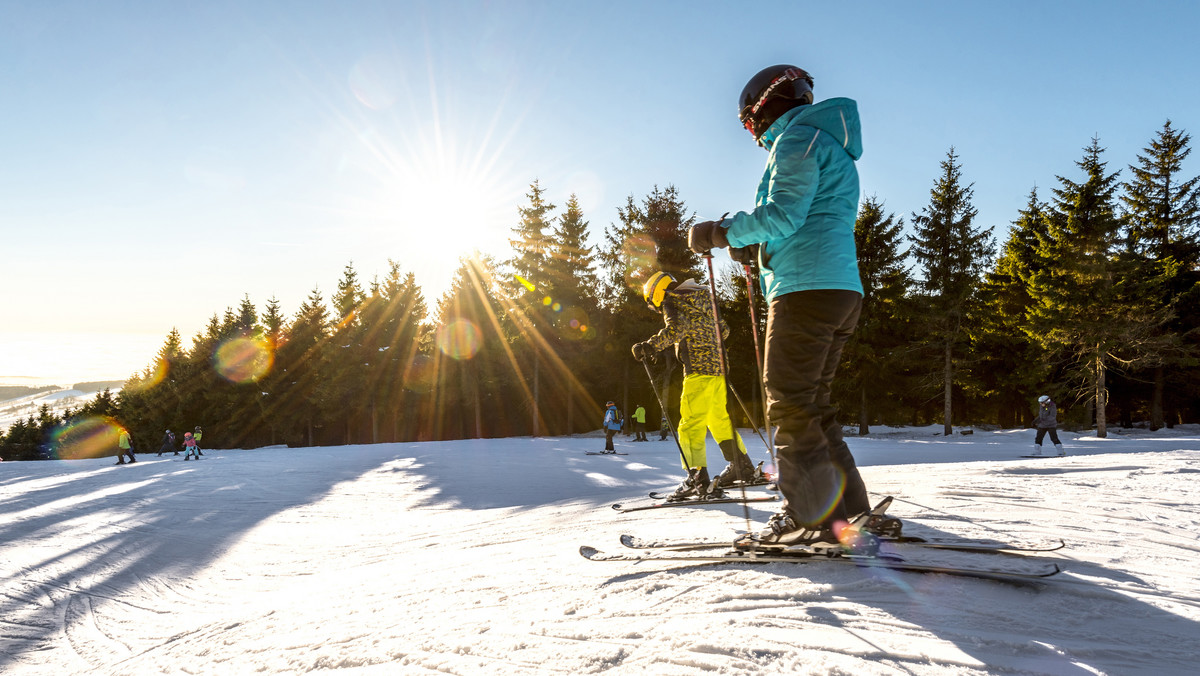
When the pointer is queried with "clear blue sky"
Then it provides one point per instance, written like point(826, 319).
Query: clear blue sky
point(162, 159)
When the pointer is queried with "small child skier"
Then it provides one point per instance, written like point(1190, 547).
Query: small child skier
point(189, 447)
point(1047, 421)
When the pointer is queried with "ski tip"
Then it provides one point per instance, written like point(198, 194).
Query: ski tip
point(587, 551)
point(628, 541)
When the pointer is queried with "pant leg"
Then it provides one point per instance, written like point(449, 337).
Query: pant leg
point(719, 423)
point(693, 419)
point(1041, 434)
point(806, 332)
point(608, 437)
point(1054, 436)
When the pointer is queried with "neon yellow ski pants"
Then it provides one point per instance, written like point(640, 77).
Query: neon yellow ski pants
point(702, 410)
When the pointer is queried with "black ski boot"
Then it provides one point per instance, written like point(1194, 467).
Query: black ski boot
point(739, 469)
point(692, 486)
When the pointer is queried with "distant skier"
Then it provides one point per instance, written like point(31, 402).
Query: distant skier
point(168, 444)
point(639, 422)
point(612, 425)
point(190, 448)
point(196, 435)
point(124, 447)
point(1047, 421)
point(801, 233)
point(688, 324)
point(664, 428)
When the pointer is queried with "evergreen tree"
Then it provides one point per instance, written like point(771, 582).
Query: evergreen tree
point(393, 319)
point(1163, 218)
point(303, 399)
point(349, 360)
point(474, 365)
point(1009, 368)
point(648, 237)
point(873, 360)
point(529, 291)
point(571, 289)
point(1084, 299)
point(952, 254)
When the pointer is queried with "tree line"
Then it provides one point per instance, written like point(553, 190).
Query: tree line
point(1094, 299)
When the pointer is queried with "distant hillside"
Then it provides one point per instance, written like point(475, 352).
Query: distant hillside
point(14, 391)
point(97, 386)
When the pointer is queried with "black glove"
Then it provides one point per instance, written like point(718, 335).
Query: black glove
point(703, 237)
point(746, 255)
point(643, 350)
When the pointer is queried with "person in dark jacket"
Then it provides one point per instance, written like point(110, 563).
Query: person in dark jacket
point(801, 234)
point(168, 444)
point(1047, 421)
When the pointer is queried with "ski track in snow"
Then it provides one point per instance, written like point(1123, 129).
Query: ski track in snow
point(461, 558)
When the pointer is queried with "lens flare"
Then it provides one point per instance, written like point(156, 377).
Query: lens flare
point(640, 256)
point(87, 437)
point(152, 376)
point(243, 360)
point(573, 323)
point(836, 479)
point(460, 339)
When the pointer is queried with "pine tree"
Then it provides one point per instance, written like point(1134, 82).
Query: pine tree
point(1085, 301)
point(952, 254)
point(349, 359)
point(1163, 219)
point(474, 364)
point(872, 358)
point(303, 400)
point(648, 237)
point(529, 290)
point(571, 290)
point(1009, 367)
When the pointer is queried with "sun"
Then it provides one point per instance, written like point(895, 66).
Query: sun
point(437, 202)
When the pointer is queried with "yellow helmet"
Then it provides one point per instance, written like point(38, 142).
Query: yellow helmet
point(655, 289)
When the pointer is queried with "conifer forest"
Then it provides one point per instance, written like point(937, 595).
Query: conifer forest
point(1093, 298)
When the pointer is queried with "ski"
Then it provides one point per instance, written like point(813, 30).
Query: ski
point(623, 508)
point(810, 555)
point(769, 485)
point(602, 453)
point(986, 546)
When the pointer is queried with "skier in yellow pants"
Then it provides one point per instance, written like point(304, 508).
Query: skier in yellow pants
point(688, 318)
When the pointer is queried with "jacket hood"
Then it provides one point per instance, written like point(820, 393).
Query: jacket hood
point(837, 117)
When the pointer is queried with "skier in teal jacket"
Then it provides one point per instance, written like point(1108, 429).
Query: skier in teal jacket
point(801, 232)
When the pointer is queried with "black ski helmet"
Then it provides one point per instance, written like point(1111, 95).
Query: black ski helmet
point(770, 93)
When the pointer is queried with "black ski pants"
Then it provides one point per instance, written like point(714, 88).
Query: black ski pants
point(806, 331)
point(1041, 434)
point(608, 437)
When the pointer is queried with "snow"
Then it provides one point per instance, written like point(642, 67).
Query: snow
point(461, 558)
point(57, 401)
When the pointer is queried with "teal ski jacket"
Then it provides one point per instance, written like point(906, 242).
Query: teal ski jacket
point(807, 201)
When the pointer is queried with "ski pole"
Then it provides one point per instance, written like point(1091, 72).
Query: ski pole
point(712, 293)
point(758, 360)
point(670, 426)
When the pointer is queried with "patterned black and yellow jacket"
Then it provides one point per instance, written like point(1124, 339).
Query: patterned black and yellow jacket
point(688, 315)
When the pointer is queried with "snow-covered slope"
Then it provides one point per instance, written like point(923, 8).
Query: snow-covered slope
point(461, 558)
point(20, 408)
